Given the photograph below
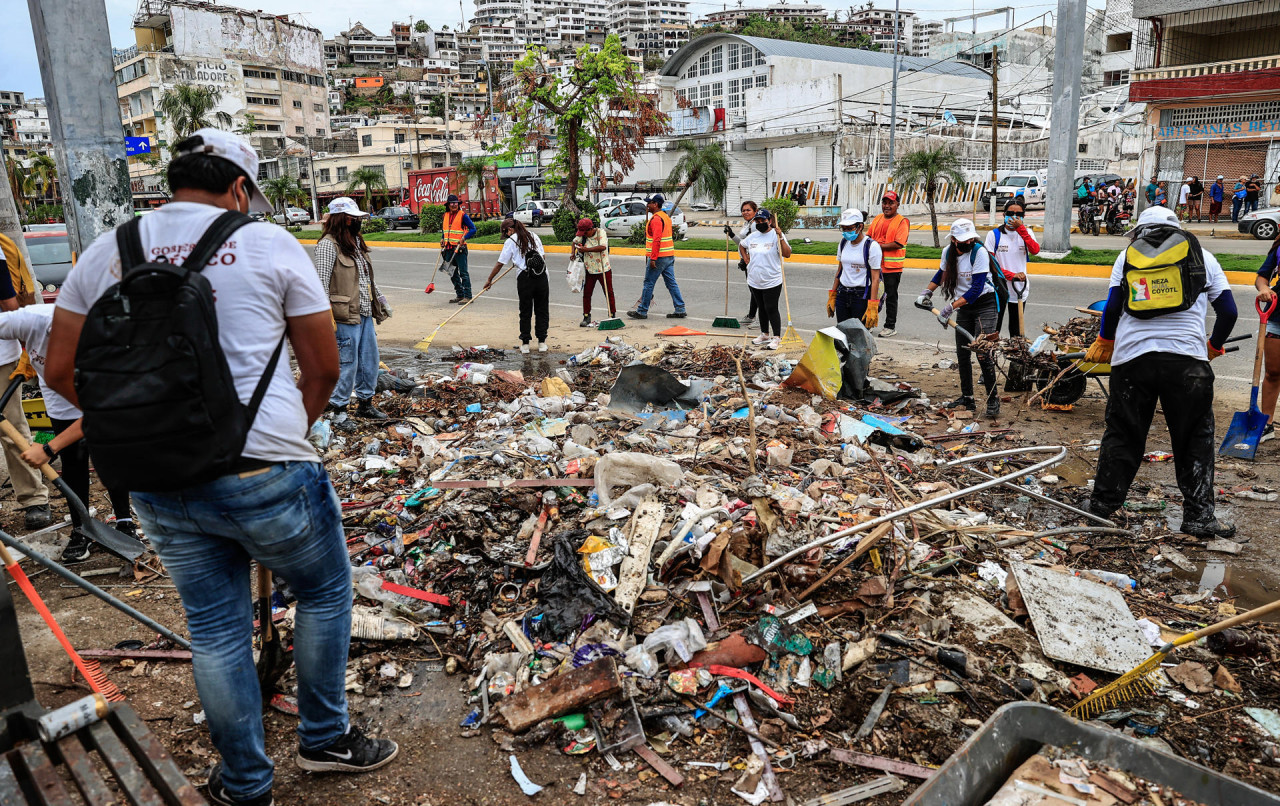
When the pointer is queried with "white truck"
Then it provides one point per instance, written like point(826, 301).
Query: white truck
point(1029, 185)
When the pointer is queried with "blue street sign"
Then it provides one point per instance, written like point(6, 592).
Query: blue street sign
point(137, 145)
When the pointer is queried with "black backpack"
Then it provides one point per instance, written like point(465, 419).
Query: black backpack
point(534, 262)
point(160, 407)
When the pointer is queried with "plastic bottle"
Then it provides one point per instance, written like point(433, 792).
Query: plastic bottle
point(777, 413)
point(1121, 581)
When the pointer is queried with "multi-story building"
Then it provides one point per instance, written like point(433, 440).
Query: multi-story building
point(551, 23)
point(1209, 73)
point(803, 13)
point(268, 72)
point(26, 130)
point(656, 27)
point(922, 32)
point(878, 23)
point(367, 49)
point(10, 100)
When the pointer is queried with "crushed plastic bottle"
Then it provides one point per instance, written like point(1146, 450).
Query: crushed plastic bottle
point(1121, 581)
point(321, 434)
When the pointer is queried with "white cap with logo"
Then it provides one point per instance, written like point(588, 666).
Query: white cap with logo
point(850, 217)
point(1158, 215)
point(346, 204)
point(227, 146)
point(962, 229)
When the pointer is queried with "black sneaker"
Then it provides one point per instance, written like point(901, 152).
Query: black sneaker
point(993, 406)
point(637, 315)
point(368, 411)
point(1268, 433)
point(354, 752)
point(78, 548)
point(218, 793)
point(37, 517)
point(586, 322)
point(966, 402)
point(677, 315)
point(1094, 508)
point(126, 527)
point(1209, 530)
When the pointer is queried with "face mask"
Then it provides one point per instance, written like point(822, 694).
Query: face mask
point(1012, 220)
point(245, 192)
point(851, 235)
point(762, 226)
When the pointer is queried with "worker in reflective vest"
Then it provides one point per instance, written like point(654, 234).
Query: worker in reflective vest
point(660, 251)
point(458, 228)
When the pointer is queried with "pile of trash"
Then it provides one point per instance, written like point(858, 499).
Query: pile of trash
point(708, 568)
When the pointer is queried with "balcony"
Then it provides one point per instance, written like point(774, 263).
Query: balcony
point(1237, 77)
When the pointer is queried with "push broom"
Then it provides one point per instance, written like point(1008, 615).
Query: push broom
point(790, 338)
point(726, 320)
point(1145, 678)
point(613, 322)
point(425, 344)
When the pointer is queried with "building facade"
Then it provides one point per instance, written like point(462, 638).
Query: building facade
point(26, 129)
point(658, 27)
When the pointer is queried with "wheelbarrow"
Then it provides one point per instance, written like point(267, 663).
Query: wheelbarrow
point(1075, 374)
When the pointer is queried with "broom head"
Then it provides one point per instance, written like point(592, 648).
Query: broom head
point(726, 321)
point(1143, 679)
point(610, 324)
point(430, 287)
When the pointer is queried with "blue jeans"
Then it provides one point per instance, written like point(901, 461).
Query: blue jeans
point(664, 267)
point(1235, 209)
point(357, 362)
point(461, 278)
point(1250, 205)
point(288, 518)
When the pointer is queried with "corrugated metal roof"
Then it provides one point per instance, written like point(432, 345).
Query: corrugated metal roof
point(824, 53)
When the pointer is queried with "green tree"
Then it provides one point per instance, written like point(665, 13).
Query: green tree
point(281, 189)
point(21, 182)
point(475, 169)
point(784, 210)
point(249, 126)
point(45, 171)
point(435, 106)
point(597, 112)
point(703, 168)
point(929, 167)
point(189, 108)
point(421, 26)
point(370, 179)
point(153, 160)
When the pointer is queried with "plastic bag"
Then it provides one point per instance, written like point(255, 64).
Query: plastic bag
point(569, 596)
point(576, 275)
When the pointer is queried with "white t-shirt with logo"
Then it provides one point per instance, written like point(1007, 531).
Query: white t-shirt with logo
point(764, 261)
point(30, 326)
point(1011, 254)
point(260, 276)
point(1182, 332)
point(511, 252)
point(853, 270)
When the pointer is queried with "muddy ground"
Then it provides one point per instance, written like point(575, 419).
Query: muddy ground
point(438, 767)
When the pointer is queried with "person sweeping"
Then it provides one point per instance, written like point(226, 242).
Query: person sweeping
point(523, 249)
point(764, 250)
point(855, 292)
point(592, 244)
point(1267, 273)
point(457, 228)
point(964, 277)
point(748, 210)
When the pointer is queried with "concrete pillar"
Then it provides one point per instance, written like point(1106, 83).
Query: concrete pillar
point(1068, 66)
point(74, 50)
point(10, 224)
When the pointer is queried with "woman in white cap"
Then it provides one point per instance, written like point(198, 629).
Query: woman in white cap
point(764, 250)
point(342, 261)
point(964, 277)
point(855, 292)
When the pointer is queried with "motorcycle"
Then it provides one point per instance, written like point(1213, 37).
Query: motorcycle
point(1119, 216)
point(1089, 217)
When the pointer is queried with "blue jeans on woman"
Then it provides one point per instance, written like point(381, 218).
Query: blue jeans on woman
point(287, 518)
point(357, 362)
point(1235, 209)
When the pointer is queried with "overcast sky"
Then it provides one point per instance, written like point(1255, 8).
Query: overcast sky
point(19, 70)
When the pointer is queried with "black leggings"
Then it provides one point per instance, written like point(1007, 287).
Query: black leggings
point(534, 294)
point(978, 318)
point(765, 300)
point(75, 471)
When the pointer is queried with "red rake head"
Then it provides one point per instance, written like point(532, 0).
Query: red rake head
point(430, 288)
point(99, 682)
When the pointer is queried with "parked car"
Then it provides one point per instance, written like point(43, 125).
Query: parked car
point(609, 202)
point(1096, 179)
point(292, 215)
point(45, 228)
point(619, 220)
point(702, 207)
point(524, 213)
point(50, 257)
point(1028, 185)
point(1261, 224)
point(397, 217)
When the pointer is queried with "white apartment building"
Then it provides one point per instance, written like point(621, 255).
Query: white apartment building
point(367, 49)
point(802, 13)
point(553, 23)
point(922, 31)
point(26, 129)
point(650, 26)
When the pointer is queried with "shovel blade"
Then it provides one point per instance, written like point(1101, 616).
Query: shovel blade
point(431, 287)
point(1243, 435)
point(116, 542)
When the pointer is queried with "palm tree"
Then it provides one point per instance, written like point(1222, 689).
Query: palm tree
point(281, 189)
point(929, 167)
point(22, 183)
point(474, 169)
point(45, 171)
point(189, 108)
point(370, 179)
point(703, 167)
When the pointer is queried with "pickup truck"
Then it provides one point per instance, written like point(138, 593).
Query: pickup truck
point(1029, 185)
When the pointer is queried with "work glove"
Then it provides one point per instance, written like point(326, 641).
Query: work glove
point(944, 315)
point(1214, 352)
point(925, 300)
point(742, 266)
point(728, 230)
point(831, 304)
point(872, 317)
point(1100, 351)
point(23, 369)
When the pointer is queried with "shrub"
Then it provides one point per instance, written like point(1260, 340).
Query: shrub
point(784, 209)
point(636, 238)
point(565, 221)
point(431, 218)
point(46, 212)
point(488, 228)
point(373, 225)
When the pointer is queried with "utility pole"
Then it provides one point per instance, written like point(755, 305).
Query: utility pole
point(311, 169)
point(448, 145)
point(995, 126)
point(84, 115)
point(893, 103)
point(1064, 119)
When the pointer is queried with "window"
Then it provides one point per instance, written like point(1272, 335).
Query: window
point(262, 100)
point(704, 95)
point(317, 108)
point(399, 137)
point(717, 59)
point(270, 127)
point(761, 80)
point(733, 56)
point(759, 60)
point(299, 129)
point(319, 132)
point(297, 104)
point(379, 168)
point(735, 92)
point(1118, 43)
point(704, 64)
point(297, 78)
point(1083, 148)
point(1115, 78)
point(342, 173)
point(366, 140)
point(322, 174)
point(252, 72)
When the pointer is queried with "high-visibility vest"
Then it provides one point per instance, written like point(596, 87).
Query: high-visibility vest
point(453, 228)
point(666, 244)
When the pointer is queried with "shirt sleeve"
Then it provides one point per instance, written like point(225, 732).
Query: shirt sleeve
point(326, 255)
point(80, 290)
point(903, 233)
point(508, 253)
point(470, 225)
point(876, 255)
point(10, 325)
point(6, 284)
point(538, 241)
point(654, 236)
point(1267, 270)
point(1117, 271)
point(1215, 277)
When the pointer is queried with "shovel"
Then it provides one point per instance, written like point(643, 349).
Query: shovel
point(431, 286)
point(118, 543)
point(273, 661)
point(950, 322)
point(1245, 431)
point(1017, 379)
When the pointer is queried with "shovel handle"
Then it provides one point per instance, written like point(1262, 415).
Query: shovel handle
point(9, 431)
point(1265, 313)
point(264, 595)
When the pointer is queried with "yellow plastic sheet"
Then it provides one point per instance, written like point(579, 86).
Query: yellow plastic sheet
point(819, 370)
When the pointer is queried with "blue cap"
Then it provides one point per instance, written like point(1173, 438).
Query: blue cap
point(764, 213)
point(656, 198)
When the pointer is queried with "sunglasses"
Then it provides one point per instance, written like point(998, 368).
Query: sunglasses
point(1015, 215)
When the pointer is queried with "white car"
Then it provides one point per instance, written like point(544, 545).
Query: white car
point(1261, 224)
point(619, 220)
point(292, 215)
point(524, 213)
point(1028, 185)
point(609, 202)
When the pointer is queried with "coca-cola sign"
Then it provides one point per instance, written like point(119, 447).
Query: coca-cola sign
point(431, 189)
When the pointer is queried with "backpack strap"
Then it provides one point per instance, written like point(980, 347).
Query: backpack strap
point(217, 233)
point(260, 391)
point(129, 242)
point(866, 264)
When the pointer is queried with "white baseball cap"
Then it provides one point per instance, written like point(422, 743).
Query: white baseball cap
point(346, 204)
point(850, 217)
point(1220, 176)
point(234, 150)
point(1158, 215)
point(962, 229)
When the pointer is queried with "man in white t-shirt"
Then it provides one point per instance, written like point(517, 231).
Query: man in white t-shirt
point(280, 508)
point(1164, 359)
point(1184, 193)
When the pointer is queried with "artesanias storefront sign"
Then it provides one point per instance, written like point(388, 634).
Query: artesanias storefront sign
point(1202, 131)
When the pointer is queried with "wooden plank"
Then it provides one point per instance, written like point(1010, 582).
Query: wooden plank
point(86, 777)
point(770, 780)
point(664, 769)
point(881, 763)
point(154, 757)
point(132, 780)
point(47, 786)
point(561, 694)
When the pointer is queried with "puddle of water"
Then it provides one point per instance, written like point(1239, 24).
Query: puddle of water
point(413, 362)
point(1075, 471)
point(1248, 586)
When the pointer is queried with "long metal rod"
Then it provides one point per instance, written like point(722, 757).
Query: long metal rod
point(81, 582)
point(1060, 453)
point(1046, 499)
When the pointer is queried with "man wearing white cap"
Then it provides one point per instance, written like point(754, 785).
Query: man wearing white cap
point(1152, 334)
point(855, 292)
point(276, 505)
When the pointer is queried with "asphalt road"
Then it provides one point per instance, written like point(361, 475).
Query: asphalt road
point(403, 273)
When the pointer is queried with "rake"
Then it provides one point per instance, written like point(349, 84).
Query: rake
point(790, 338)
point(431, 286)
point(1145, 678)
point(425, 344)
point(726, 320)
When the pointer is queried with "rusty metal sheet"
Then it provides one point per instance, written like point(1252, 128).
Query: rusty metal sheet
point(664, 769)
point(155, 759)
point(10, 790)
point(137, 654)
point(85, 776)
point(881, 763)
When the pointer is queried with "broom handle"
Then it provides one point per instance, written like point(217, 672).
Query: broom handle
point(464, 305)
point(9, 431)
point(786, 296)
point(1251, 615)
point(726, 277)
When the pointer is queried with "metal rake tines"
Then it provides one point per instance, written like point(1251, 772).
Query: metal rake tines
point(98, 679)
point(1117, 693)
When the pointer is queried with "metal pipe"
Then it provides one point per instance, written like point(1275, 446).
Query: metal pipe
point(1059, 455)
point(81, 582)
point(1046, 499)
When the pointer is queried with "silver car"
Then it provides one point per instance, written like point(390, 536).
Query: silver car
point(619, 221)
point(292, 215)
point(1261, 224)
